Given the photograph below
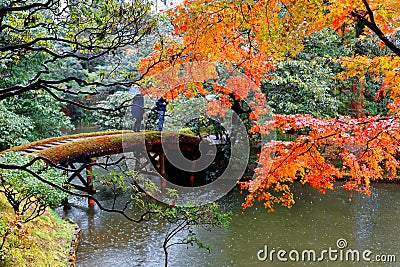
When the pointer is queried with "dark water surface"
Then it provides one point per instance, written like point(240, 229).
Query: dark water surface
point(316, 222)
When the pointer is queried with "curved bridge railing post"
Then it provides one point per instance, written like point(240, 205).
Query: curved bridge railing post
point(89, 181)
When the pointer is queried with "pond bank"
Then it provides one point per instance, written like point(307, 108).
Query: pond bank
point(45, 241)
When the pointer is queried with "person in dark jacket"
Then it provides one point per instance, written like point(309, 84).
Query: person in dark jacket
point(137, 108)
point(161, 104)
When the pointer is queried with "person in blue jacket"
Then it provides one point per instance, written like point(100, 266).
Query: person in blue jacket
point(137, 108)
point(161, 104)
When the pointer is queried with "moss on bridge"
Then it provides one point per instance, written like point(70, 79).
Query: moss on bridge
point(80, 146)
point(58, 139)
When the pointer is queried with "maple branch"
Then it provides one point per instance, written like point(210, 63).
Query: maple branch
point(367, 147)
point(371, 24)
point(318, 164)
point(289, 154)
point(378, 119)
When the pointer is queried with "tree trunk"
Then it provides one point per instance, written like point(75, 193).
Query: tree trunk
point(357, 102)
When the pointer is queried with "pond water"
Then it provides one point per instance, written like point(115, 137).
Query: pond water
point(368, 223)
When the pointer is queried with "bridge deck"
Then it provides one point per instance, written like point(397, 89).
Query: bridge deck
point(88, 145)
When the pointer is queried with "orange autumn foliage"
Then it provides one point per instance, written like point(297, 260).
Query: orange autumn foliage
point(361, 150)
point(252, 36)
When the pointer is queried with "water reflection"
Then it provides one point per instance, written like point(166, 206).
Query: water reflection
point(365, 212)
point(315, 222)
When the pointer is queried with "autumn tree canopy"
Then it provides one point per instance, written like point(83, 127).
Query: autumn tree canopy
point(254, 37)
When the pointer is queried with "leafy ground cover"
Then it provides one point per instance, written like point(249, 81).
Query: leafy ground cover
point(44, 241)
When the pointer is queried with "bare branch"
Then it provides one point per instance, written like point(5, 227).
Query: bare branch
point(374, 27)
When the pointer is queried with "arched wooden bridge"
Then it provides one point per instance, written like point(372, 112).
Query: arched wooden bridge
point(84, 148)
point(78, 147)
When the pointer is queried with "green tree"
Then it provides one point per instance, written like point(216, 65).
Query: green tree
point(303, 87)
point(53, 31)
point(307, 83)
point(30, 115)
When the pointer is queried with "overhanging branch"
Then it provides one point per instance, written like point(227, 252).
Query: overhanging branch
point(371, 24)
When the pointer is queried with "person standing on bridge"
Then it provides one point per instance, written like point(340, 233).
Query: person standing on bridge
point(161, 104)
point(137, 108)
